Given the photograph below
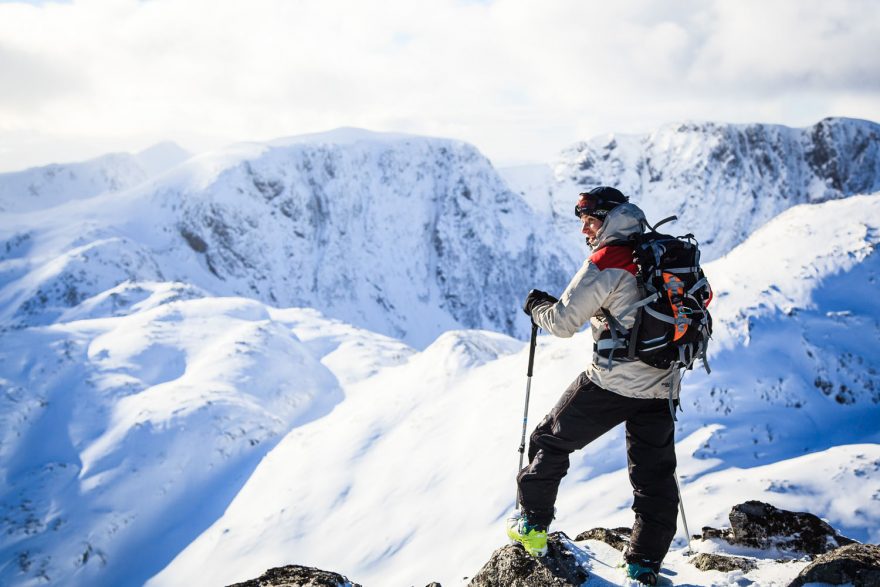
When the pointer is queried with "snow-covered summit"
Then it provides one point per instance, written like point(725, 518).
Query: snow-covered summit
point(408, 236)
point(345, 135)
point(40, 188)
point(722, 180)
point(161, 157)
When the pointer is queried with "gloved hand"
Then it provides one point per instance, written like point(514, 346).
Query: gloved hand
point(534, 298)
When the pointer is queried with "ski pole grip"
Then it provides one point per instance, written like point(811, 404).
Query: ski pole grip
point(532, 344)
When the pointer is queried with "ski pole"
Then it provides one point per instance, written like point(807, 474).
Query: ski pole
point(676, 383)
point(522, 442)
point(683, 518)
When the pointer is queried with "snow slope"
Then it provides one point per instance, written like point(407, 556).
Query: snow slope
point(170, 413)
point(424, 472)
point(124, 437)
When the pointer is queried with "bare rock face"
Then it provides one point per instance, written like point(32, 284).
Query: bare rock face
point(617, 538)
point(725, 564)
point(298, 576)
point(858, 564)
point(512, 566)
point(760, 525)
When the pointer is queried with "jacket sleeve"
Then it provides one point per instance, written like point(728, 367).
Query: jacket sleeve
point(581, 300)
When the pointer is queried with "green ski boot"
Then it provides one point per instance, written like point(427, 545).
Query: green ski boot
point(533, 538)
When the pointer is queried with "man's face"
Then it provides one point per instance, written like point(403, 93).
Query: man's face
point(591, 227)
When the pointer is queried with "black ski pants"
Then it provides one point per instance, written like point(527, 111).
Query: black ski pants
point(584, 413)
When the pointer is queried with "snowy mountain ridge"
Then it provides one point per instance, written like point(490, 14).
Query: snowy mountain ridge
point(164, 420)
point(165, 436)
point(42, 188)
point(300, 220)
point(811, 253)
point(723, 181)
point(305, 223)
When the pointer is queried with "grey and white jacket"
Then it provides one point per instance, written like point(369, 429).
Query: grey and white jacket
point(607, 280)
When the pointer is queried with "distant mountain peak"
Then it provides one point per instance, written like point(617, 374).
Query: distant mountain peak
point(344, 135)
point(723, 181)
point(161, 157)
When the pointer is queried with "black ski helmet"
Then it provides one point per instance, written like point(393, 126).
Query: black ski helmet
point(598, 202)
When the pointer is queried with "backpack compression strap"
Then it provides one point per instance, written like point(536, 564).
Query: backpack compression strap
point(619, 335)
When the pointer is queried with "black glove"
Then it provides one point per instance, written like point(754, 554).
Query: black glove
point(535, 297)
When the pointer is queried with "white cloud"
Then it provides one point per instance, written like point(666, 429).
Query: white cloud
point(519, 79)
point(780, 46)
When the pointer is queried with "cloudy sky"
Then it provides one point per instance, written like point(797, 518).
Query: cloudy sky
point(520, 79)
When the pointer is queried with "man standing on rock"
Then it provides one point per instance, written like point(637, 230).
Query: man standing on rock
point(610, 392)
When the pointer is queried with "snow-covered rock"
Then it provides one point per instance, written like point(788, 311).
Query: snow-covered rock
point(584, 562)
point(755, 524)
point(295, 575)
point(857, 565)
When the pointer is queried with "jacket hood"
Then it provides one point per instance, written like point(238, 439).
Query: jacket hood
point(624, 220)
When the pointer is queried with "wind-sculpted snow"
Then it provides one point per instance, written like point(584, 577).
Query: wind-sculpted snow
point(796, 332)
point(820, 257)
point(723, 181)
point(456, 352)
point(123, 438)
point(57, 284)
point(130, 297)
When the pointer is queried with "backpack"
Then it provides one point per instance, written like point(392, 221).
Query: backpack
point(672, 322)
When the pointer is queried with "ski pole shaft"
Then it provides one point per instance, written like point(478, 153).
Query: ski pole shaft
point(683, 517)
point(676, 383)
point(522, 443)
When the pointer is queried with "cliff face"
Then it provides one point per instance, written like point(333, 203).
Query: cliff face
point(407, 236)
point(403, 235)
point(724, 180)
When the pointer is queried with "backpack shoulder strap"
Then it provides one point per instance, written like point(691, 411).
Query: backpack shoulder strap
point(662, 222)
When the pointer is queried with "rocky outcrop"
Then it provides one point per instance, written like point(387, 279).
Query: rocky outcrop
point(858, 564)
point(618, 537)
point(298, 576)
point(512, 566)
point(753, 524)
point(725, 564)
point(760, 525)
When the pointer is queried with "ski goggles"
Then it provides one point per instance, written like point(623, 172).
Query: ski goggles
point(587, 204)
